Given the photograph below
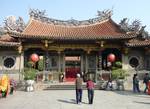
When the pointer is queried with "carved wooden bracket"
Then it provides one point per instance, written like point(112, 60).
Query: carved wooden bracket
point(46, 43)
point(20, 49)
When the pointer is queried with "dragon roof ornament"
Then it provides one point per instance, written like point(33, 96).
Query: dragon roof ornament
point(41, 15)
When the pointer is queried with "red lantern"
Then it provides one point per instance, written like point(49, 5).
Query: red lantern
point(34, 57)
point(111, 57)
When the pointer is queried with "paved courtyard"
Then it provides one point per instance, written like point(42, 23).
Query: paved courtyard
point(65, 99)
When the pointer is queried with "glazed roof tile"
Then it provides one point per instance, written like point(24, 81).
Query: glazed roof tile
point(101, 30)
point(6, 40)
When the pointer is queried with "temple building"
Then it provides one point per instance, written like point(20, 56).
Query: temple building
point(73, 46)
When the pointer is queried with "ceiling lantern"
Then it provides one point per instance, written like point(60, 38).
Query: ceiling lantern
point(111, 57)
point(34, 57)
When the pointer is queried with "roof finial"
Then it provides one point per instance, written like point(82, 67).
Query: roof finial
point(105, 14)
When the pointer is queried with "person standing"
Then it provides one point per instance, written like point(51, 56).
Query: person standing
point(78, 84)
point(136, 83)
point(145, 81)
point(90, 89)
point(61, 77)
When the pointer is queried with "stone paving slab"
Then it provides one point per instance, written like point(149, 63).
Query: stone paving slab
point(65, 99)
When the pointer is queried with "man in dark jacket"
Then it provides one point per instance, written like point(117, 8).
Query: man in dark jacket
point(78, 84)
point(136, 83)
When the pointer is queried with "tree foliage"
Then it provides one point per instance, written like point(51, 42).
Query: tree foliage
point(135, 26)
point(11, 24)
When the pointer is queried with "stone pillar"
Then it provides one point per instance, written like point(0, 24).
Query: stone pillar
point(63, 65)
point(99, 61)
point(125, 61)
point(63, 62)
point(46, 61)
point(59, 61)
point(21, 61)
point(86, 63)
point(21, 65)
point(82, 63)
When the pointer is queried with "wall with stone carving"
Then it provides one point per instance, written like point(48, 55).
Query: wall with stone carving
point(134, 60)
point(11, 60)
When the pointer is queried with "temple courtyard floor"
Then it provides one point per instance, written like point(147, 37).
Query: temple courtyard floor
point(65, 99)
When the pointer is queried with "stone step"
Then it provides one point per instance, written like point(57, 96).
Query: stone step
point(62, 86)
point(66, 87)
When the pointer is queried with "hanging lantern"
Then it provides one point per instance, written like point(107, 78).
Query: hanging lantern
point(111, 57)
point(34, 58)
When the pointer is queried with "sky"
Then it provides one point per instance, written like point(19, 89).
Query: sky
point(78, 9)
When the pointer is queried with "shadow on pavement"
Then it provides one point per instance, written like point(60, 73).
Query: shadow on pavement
point(72, 101)
point(142, 102)
point(131, 93)
point(128, 92)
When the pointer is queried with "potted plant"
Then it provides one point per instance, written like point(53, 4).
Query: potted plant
point(29, 76)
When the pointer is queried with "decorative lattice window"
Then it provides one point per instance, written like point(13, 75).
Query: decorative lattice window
point(134, 62)
point(9, 61)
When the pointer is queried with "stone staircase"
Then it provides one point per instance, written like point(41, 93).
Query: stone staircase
point(60, 86)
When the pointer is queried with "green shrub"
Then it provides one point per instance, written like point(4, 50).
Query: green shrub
point(30, 64)
point(118, 64)
point(41, 65)
point(29, 73)
point(118, 74)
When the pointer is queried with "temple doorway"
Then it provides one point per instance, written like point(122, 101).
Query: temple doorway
point(72, 67)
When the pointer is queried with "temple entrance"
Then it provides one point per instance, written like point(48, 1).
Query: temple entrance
point(72, 67)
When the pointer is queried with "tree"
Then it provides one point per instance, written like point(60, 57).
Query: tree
point(11, 24)
point(135, 26)
point(1, 30)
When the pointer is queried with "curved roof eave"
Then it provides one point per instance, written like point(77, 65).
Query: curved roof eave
point(104, 37)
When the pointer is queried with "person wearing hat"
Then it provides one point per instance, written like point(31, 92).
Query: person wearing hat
point(78, 84)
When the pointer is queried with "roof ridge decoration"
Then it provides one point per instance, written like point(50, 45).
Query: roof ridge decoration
point(41, 15)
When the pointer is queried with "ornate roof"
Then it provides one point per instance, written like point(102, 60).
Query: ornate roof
point(105, 29)
point(138, 43)
point(9, 44)
point(6, 40)
point(99, 28)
